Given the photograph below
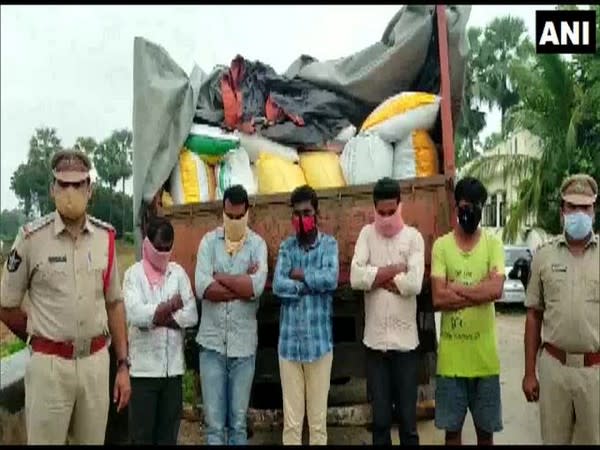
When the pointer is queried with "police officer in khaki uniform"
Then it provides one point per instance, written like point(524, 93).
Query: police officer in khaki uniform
point(66, 262)
point(563, 300)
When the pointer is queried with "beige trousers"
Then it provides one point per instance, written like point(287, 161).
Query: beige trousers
point(569, 402)
point(66, 398)
point(305, 383)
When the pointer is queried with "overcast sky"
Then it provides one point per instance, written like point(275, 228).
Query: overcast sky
point(71, 67)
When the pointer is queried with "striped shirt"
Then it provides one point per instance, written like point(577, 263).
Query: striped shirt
point(305, 333)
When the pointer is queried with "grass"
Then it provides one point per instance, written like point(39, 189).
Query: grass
point(11, 346)
point(125, 257)
point(188, 388)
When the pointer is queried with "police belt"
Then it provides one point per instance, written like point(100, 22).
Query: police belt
point(80, 348)
point(573, 359)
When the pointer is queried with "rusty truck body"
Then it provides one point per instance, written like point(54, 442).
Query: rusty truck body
point(427, 202)
point(427, 205)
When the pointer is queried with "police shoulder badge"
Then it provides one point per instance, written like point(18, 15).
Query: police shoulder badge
point(14, 261)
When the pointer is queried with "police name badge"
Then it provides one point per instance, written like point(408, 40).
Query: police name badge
point(559, 268)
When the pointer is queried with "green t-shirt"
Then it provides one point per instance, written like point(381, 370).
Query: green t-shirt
point(468, 346)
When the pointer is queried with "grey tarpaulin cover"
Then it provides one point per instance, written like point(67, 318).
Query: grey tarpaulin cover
point(164, 101)
point(165, 97)
point(392, 64)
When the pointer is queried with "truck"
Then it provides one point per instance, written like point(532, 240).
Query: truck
point(428, 205)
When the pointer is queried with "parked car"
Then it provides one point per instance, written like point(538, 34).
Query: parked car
point(514, 291)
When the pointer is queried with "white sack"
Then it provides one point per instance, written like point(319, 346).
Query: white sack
point(366, 158)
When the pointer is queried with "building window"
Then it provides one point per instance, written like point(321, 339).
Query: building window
point(486, 214)
point(503, 207)
point(494, 211)
point(489, 213)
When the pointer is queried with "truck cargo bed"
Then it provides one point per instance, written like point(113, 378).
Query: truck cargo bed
point(343, 213)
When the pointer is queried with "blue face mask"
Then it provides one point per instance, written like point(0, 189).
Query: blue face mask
point(578, 225)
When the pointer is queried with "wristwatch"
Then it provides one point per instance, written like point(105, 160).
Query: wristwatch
point(123, 362)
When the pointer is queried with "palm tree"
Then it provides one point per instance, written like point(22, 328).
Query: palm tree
point(472, 119)
point(550, 108)
point(112, 160)
point(505, 43)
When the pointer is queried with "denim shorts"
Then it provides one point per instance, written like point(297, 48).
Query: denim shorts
point(453, 395)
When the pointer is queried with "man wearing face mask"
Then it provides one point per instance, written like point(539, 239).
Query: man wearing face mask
point(388, 264)
point(231, 272)
point(563, 299)
point(467, 277)
point(160, 304)
point(66, 262)
point(306, 276)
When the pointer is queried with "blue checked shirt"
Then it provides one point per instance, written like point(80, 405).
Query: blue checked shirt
point(230, 328)
point(305, 319)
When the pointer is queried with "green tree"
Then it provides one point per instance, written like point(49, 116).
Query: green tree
point(112, 160)
point(555, 107)
point(19, 184)
point(472, 119)
point(505, 43)
point(10, 221)
point(492, 140)
point(87, 145)
point(105, 202)
point(32, 179)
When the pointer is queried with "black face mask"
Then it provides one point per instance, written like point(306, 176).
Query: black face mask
point(469, 218)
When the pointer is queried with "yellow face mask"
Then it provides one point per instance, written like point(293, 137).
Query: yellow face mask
point(235, 230)
point(71, 203)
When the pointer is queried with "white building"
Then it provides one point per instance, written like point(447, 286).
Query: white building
point(503, 191)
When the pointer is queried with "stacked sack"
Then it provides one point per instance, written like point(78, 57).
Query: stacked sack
point(192, 180)
point(415, 157)
point(212, 160)
point(366, 158)
point(322, 169)
point(274, 166)
point(234, 169)
point(394, 141)
point(277, 175)
point(210, 143)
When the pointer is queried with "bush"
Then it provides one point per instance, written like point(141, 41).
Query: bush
point(8, 348)
point(108, 206)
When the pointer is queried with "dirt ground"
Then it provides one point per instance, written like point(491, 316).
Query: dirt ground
point(521, 419)
point(5, 334)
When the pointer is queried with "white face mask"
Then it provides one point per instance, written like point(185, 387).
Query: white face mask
point(578, 225)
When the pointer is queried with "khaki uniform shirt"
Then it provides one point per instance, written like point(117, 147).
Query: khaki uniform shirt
point(64, 278)
point(567, 289)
